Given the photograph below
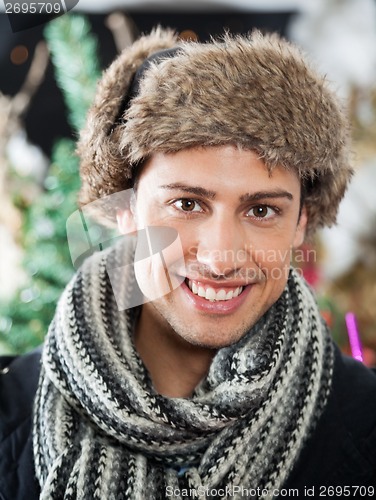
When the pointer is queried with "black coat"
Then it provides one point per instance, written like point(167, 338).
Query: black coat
point(341, 452)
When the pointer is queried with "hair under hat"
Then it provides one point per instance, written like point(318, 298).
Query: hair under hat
point(257, 92)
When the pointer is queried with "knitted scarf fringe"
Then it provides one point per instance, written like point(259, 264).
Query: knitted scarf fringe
point(102, 431)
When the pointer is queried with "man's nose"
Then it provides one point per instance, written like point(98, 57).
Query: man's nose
point(222, 245)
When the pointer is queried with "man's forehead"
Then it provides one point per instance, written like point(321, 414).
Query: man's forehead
point(214, 170)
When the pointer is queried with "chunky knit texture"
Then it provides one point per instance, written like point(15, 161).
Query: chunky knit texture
point(101, 430)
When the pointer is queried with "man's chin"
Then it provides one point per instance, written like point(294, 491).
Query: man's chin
point(213, 342)
point(210, 334)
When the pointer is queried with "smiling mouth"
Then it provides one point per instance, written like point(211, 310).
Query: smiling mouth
point(208, 293)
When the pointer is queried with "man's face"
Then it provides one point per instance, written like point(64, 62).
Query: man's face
point(237, 225)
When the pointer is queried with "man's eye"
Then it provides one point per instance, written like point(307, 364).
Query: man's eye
point(187, 205)
point(262, 212)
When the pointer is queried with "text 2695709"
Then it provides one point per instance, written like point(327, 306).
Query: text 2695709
point(34, 8)
point(347, 491)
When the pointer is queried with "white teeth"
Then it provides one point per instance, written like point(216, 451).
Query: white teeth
point(221, 295)
point(211, 294)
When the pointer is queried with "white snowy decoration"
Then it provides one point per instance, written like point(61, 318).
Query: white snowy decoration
point(357, 214)
point(27, 159)
point(340, 35)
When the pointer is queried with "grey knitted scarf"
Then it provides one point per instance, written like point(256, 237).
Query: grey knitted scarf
point(102, 431)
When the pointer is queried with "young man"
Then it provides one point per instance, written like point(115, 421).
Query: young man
point(225, 384)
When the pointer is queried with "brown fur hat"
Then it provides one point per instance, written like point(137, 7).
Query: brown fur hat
point(257, 92)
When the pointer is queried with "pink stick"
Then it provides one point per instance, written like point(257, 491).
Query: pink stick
point(354, 338)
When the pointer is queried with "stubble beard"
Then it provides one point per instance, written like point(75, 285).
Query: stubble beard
point(214, 336)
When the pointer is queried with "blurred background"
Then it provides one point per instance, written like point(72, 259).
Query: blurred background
point(48, 73)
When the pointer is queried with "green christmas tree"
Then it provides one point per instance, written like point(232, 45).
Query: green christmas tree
point(24, 320)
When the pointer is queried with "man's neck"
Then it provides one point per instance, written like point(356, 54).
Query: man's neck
point(175, 366)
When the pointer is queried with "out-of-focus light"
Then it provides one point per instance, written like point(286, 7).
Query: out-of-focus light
point(188, 35)
point(19, 55)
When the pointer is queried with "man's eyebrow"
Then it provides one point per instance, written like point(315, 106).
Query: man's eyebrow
point(245, 198)
point(197, 190)
point(262, 195)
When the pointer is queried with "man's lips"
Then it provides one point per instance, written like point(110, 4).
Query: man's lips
point(211, 291)
point(216, 298)
point(217, 284)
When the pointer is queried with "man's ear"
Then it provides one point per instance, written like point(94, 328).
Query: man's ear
point(300, 228)
point(126, 221)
